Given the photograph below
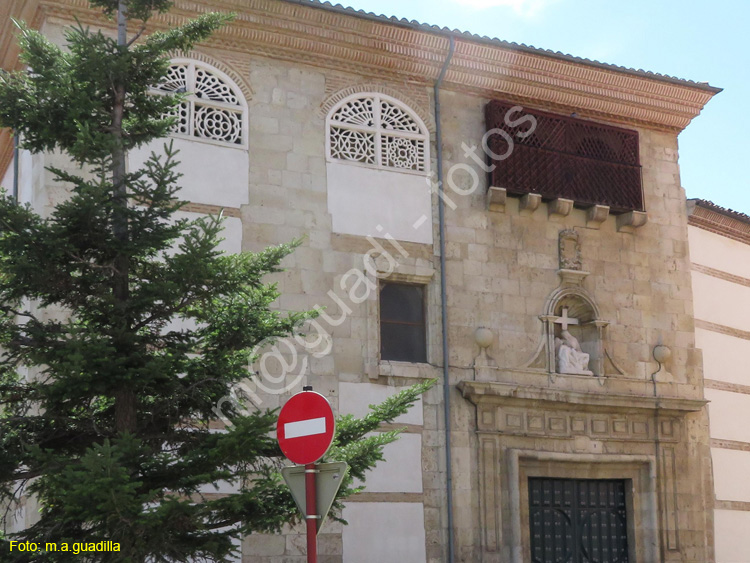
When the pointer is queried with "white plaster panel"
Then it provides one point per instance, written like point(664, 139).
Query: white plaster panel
point(724, 357)
point(732, 538)
point(232, 244)
point(719, 252)
point(721, 302)
point(360, 199)
point(401, 471)
point(731, 468)
point(212, 174)
point(380, 532)
point(28, 176)
point(220, 487)
point(356, 398)
point(232, 233)
point(729, 415)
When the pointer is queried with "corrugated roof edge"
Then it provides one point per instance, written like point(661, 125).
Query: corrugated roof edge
point(413, 24)
point(706, 204)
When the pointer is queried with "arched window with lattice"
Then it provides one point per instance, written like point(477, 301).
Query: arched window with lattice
point(377, 131)
point(214, 110)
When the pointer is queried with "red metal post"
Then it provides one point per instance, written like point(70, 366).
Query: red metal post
point(312, 513)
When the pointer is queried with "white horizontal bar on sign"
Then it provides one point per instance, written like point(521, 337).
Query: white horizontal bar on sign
point(308, 427)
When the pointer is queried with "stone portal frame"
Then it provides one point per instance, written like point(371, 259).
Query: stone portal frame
point(638, 471)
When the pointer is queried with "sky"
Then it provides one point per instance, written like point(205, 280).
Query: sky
point(700, 40)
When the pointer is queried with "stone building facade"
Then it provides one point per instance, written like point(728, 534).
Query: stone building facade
point(321, 122)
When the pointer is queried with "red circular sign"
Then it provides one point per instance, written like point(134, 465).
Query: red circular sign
point(305, 427)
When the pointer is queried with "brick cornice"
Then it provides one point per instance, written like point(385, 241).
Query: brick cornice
point(719, 223)
point(397, 52)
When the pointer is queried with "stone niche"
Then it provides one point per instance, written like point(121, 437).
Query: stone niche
point(571, 319)
point(571, 313)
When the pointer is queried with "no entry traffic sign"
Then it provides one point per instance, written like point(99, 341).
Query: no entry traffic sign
point(305, 427)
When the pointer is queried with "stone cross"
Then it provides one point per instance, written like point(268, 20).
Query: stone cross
point(565, 320)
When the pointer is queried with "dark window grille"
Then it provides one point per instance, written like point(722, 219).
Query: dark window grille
point(403, 335)
point(564, 157)
point(578, 521)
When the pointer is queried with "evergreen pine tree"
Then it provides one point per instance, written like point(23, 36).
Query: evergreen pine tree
point(104, 405)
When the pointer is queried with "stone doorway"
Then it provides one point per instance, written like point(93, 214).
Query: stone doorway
point(578, 520)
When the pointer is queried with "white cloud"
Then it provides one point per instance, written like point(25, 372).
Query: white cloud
point(523, 8)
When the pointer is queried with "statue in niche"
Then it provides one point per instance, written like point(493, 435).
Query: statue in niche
point(569, 250)
point(570, 358)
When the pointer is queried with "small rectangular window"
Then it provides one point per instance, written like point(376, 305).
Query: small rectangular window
point(403, 336)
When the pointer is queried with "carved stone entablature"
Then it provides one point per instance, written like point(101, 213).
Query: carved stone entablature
point(522, 421)
point(616, 405)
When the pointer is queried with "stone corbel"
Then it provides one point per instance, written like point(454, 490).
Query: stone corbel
point(572, 277)
point(629, 222)
point(596, 215)
point(529, 203)
point(496, 199)
point(559, 207)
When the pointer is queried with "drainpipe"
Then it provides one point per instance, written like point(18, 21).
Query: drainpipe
point(16, 152)
point(660, 354)
point(444, 304)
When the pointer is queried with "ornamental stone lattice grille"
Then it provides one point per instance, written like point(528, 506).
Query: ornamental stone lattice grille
point(377, 131)
point(214, 108)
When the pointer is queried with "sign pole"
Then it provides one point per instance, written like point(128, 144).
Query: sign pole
point(305, 431)
point(312, 516)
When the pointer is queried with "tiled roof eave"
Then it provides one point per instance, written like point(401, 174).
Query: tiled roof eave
point(495, 42)
point(714, 218)
point(311, 33)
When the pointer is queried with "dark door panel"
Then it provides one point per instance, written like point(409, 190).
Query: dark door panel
point(578, 521)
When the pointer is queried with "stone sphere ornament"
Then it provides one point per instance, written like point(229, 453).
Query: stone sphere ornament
point(484, 337)
point(662, 353)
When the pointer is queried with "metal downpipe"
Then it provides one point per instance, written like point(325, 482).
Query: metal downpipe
point(444, 305)
point(16, 153)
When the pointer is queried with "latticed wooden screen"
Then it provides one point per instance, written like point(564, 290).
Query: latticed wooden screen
point(377, 131)
point(564, 157)
point(213, 108)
